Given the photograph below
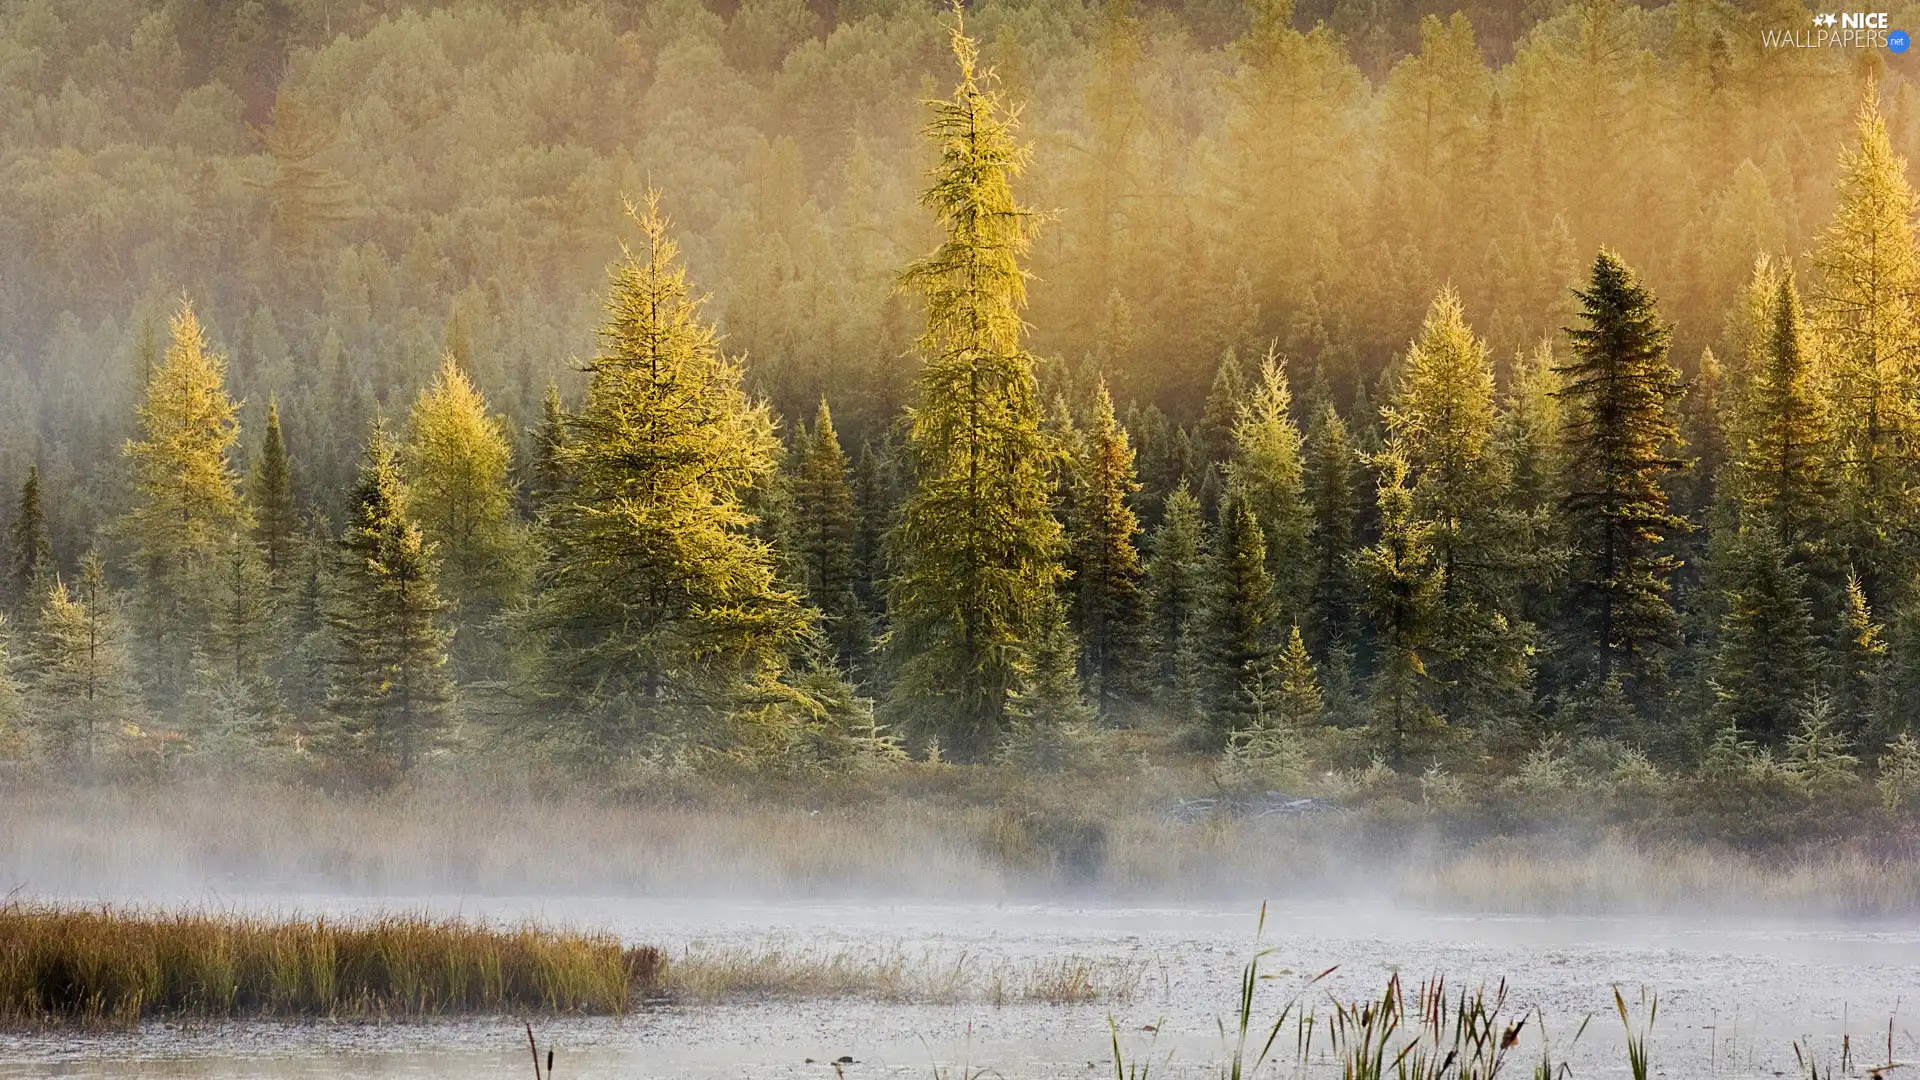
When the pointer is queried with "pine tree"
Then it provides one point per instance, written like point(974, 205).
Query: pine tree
point(1332, 499)
point(460, 494)
point(276, 520)
point(977, 547)
point(1214, 444)
point(1858, 654)
point(874, 503)
point(77, 670)
point(1240, 622)
point(1441, 421)
point(1768, 661)
point(188, 501)
point(1868, 276)
point(547, 478)
point(241, 635)
point(1049, 722)
point(1785, 441)
point(29, 548)
point(1108, 606)
point(657, 610)
point(1401, 581)
point(390, 692)
point(1175, 575)
point(1266, 474)
point(1618, 394)
point(828, 530)
point(1296, 700)
point(1703, 431)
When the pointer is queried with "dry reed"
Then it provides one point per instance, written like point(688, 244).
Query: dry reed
point(105, 965)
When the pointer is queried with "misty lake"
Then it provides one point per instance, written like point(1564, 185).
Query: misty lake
point(1733, 995)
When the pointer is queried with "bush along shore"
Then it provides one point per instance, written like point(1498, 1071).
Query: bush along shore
point(108, 966)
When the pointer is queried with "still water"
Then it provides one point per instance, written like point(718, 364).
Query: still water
point(1733, 994)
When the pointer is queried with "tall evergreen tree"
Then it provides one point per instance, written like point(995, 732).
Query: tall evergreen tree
point(1618, 394)
point(1785, 440)
point(188, 501)
point(1107, 609)
point(1266, 474)
point(461, 495)
point(977, 547)
point(1333, 500)
point(1767, 665)
point(1441, 421)
point(1401, 582)
point(29, 549)
point(874, 504)
point(657, 610)
point(1175, 580)
point(1868, 283)
point(276, 520)
point(390, 691)
point(1240, 624)
point(1858, 654)
point(827, 531)
point(78, 674)
point(547, 478)
point(1214, 444)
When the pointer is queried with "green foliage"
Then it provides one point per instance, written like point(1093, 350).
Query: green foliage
point(457, 464)
point(390, 690)
point(1785, 440)
point(1441, 420)
point(1176, 594)
point(29, 548)
point(1240, 622)
point(188, 501)
point(827, 527)
point(656, 608)
point(1265, 473)
point(276, 519)
point(78, 675)
point(976, 550)
point(1402, 581)
point(1618, 395)
point(1866, 269)
point(1768, 663)
point(1108, 605)
point(1332, 496)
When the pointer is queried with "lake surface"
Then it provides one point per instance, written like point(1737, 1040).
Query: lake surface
point(1733, 994)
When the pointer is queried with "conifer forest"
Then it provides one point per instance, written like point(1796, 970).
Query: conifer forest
point(1417, 401)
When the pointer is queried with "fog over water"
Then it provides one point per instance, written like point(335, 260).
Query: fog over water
point(1733, 993)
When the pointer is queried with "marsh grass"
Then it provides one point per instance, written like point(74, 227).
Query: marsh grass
point(113, 966)
point(777, 972)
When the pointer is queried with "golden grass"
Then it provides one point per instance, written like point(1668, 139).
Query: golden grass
point(793, 973)
point(104, 965)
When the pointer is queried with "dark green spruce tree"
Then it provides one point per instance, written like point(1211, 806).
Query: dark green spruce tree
point(977, 549)
point(276, 519)
point(1175, 597)
point(1239, 632)
point(1768, 663)
point(1618, 394)
point(1107, 606)
point(29, 551)
point(1332, 497)
point(390, 694)
point(826, 531)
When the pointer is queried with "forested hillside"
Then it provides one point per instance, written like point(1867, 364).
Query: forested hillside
point(1316, 383)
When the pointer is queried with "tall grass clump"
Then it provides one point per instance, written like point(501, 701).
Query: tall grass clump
point(105, 965)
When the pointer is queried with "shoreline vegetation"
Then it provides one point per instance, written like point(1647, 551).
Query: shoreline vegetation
point(949, 836)
point(106, 966)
